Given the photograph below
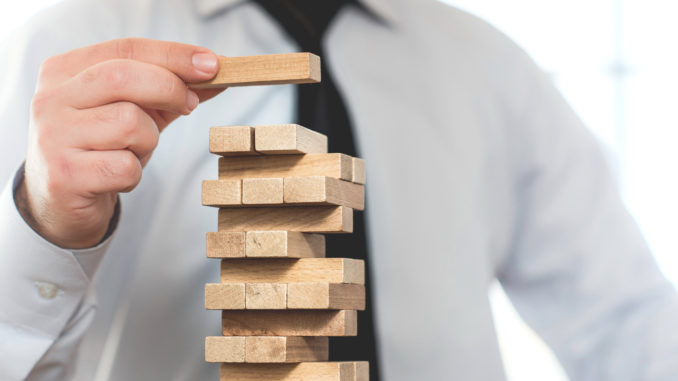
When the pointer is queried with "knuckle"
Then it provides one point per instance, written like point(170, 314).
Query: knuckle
point(129, 117)
point(40, 104)
point(117, 76)
point(125, 47)
point(130, 170)
point(48, 66)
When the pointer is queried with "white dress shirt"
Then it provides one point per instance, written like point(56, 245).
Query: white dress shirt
point(477, 170)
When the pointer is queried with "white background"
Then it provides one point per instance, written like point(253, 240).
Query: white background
point(615, 61)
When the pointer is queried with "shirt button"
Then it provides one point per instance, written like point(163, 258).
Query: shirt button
point(47, 290)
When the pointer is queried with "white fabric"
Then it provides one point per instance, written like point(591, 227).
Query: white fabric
point(477, 170)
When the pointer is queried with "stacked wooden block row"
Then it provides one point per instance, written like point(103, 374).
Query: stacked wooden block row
point(280, 297)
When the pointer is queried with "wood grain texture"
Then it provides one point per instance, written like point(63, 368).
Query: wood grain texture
point(308, 219)
point(221, 192)
point(335, 296)
point(225, 244)
point(225, 349)
point(225, 296)
point(358, 171)
point(280, 349)
point(335, 165)
point(330, 270)
point(272, 69)
point(289, 323)
point(305, 371)
point(262, 191)
point(321, 190)
point(285, 139)
point(232, 140)
point(284, 244)
point(266, 296)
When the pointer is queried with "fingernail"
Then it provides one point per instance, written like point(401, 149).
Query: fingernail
point(205, 62)
point(192, 100)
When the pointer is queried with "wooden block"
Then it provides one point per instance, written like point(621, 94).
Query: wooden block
point(266, 296)
point(284, 244)
point(329, 270)
point(224, 349)
point(321, 190)
point(221, 192)
point(288, 139)
point(262, 191)
point(289, 323)
point(305, 371)
point(309, 219)
point(335, 165)
point(334, 296)
point(277, 349)
point(272, 69)
point(232, 140)
point(225, 296)
point(225, 245)
point(358, 171)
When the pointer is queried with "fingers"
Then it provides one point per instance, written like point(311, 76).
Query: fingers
point(101, 172)
point(190, 63)
point(120, 125)
point(141, 83)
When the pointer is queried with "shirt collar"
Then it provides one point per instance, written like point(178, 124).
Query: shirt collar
point(382, 8)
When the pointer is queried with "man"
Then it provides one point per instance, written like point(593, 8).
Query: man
point(477, 170)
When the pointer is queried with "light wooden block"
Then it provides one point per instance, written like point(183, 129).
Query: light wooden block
point(224, 349)
point(266, 296)
point(305, 371)
point(284, 244)
point(335, 296)
point(329, 270)
point(272, 69)
point(321, 190)
point(289, 323)
point(225, 245)
point(221, 192)
point(358, 171)
point(262, 191)
point(225, 296)
point(335, 165)
point(308, 219)
point(285, 139)
point(232, 140)
point(277, 349)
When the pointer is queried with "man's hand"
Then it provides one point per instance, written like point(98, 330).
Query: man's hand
point(95, 121)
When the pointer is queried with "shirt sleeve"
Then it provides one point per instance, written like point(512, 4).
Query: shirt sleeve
point(580, 272)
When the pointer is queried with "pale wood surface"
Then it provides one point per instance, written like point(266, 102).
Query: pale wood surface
point(281, 296)
point(284, 244)
point(232, 140)
point(285, 139)
point(262, 191)
point(308, 219)
point(224, 349)
point(330, 270)
point(280, 349)
point(221, 192)
point(289, 323)
point(358, 171)
point(225, 244)
point(335, 165)
point(266, 296)
point(272, 69)
point(305, 371)
point(312, 190)
point(337, 296)
point(225, 296)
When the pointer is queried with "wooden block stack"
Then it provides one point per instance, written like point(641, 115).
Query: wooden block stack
point(281, 298)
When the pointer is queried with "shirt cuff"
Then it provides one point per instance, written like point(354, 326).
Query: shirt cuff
point(41, 284)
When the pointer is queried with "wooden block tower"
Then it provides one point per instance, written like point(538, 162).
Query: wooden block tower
point(277, 192)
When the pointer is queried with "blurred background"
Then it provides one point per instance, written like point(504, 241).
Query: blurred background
point(615, 61)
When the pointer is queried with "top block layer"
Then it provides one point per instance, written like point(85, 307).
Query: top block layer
point(273, 69)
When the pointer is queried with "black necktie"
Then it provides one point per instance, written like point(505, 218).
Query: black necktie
point(321, 107)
